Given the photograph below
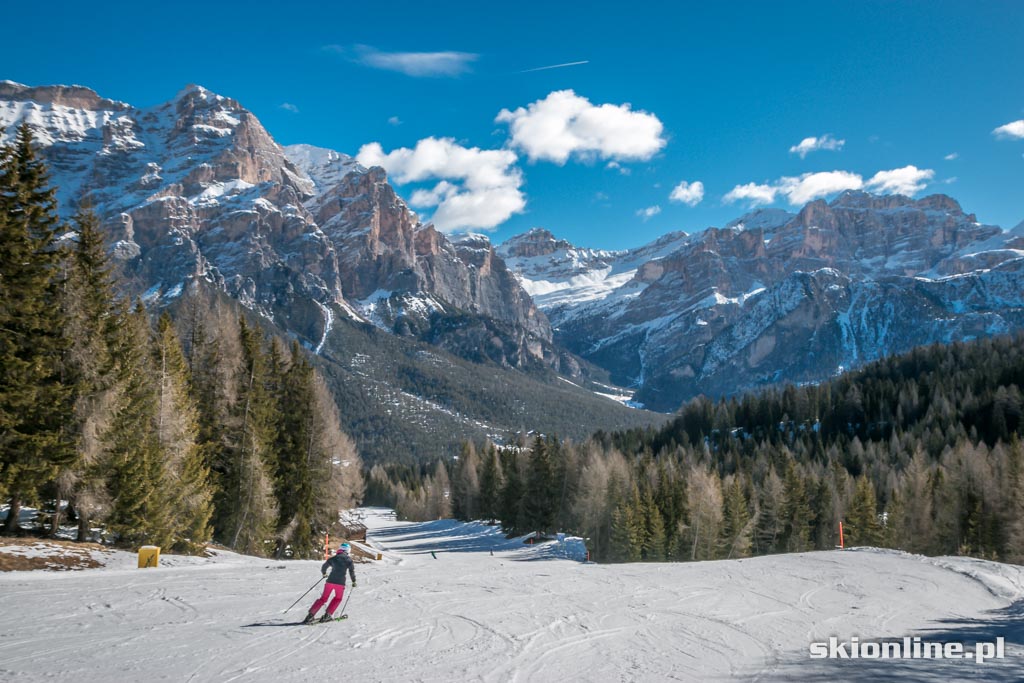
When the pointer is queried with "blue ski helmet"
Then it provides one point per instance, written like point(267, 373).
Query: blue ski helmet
point(343, 548)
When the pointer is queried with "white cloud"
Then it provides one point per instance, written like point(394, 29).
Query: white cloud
point(395, 121)
point(811, 186)
point(288, 106)
point(690, 194)
point(1013, 130)
point(908, 180)
point(951, 157)
point(479, 188)
point(425, 199)
point(481, 209)
point(649, 212)
point(616, 166)
point(416, 64)
point(813, 144)
point(563, 124)
point(751, 192)
point(798, 190)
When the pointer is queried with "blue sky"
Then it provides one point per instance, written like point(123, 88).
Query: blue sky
point(670, 92)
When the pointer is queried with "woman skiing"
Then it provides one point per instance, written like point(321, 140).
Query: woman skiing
point(334, 570)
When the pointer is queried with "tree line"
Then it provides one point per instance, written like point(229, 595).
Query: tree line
point(919, 452)
point(199, 427)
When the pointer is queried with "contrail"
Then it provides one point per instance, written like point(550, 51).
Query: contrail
point(555, 66)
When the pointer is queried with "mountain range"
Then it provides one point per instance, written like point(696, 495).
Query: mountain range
point(533, 333)
point(777, 297)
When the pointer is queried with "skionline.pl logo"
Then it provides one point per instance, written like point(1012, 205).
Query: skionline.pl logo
point(907, 648)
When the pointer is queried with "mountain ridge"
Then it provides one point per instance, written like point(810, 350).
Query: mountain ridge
point(778, 297)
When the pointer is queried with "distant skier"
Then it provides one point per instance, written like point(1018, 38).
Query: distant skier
point(334, 569)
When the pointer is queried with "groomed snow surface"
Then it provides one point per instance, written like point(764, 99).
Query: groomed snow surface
point(496, 610)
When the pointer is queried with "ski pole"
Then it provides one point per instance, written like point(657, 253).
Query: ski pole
point(306, 593)
point(345, 604)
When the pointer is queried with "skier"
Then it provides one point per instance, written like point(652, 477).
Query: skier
point(337, 566)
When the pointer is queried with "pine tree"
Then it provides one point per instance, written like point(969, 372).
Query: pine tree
point(513, 520)
point(294, 452)
point(466, 484)
point(654, 547)
point(439, 493)
point(35, 401)
point(338, 476)
point(736, 526)
point(186, 478)
point(540, 503)
point(796, 512)
point(826, 524)
point(1014, 551)
point(627, 532)
point(140, 512)
point(490, 484)
point(861, 525)
point(704, 491)
point(246, 498)
point(769, 523)
point(670, 497)
point(91, 315)
point(214, 352)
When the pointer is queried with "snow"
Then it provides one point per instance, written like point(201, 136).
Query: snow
point(762, 219)
point(325, 167)
point(573, 276)
point(217, 190)
point(328, 324)
point(488, 608)
point(716, 298)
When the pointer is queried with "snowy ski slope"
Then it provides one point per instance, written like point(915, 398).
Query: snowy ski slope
point(494, 610)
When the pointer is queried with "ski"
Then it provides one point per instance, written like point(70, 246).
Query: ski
point(317, 621)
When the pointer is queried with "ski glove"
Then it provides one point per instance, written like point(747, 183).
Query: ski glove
point(353, 584)
point(325, 575)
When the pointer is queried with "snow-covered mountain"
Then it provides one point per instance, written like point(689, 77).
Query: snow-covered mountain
point(557, 274)
point(777, 297)
point(196, 189)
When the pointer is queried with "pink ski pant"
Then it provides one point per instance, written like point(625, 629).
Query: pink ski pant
point(337, 589)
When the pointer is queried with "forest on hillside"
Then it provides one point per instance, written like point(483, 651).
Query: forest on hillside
point(173, 434)
point(919, 452)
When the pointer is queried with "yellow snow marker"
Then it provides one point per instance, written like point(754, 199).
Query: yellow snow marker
point(149, 556)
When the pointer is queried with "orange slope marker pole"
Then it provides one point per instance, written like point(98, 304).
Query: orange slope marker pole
point(841, 546)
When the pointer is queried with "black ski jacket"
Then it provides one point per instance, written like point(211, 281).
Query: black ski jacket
point(337, 565)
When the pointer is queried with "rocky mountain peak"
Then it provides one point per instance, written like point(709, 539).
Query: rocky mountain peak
point(817, 213)
point(534, 242)
point(858, 199)
point(74, 96)
point(764, 219)
point(940, 202)
point(325, 167)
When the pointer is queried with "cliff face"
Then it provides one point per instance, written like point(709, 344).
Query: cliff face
point(777, 297)
point(197, 189)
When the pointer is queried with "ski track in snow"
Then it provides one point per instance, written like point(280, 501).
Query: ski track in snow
point(519, 614)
